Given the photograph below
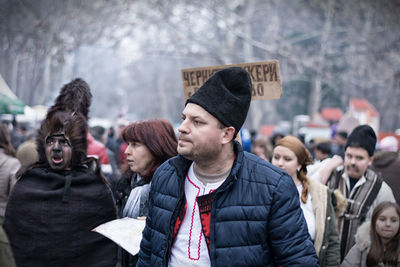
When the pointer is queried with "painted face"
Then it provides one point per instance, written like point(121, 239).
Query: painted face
point(387, 224)
point(58, 152)
point(286, 159)
point(139, 158)
point(200, 134)
point(356, 161)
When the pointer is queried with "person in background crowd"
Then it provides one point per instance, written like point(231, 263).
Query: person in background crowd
point(9, 165)
point(245, 139)
point(215, 204)
point(57, 201)
point(17, 134)
point(322, 152)
point(310, 145)
point(111, 143)
point(320, 205)
point(387, 163)
point(378, 241)
point(27, 151)
point(261, 147)
point(361, 186)
point(121, 145)
point(276, 137)
point(98, 150)
point(339, 142)
point(150, 143)
point(99, 134)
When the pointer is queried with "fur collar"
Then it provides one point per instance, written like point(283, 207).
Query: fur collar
point(341, 203)
point(319, 196)
point(363, 239)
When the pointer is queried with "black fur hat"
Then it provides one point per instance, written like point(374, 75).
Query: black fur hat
point(226, 95)
point(362, 136)
point(68, 115)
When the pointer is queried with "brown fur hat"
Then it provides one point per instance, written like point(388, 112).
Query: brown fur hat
point(69, 116)
point(74, 97)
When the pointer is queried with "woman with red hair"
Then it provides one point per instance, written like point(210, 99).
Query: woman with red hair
point(150, 143)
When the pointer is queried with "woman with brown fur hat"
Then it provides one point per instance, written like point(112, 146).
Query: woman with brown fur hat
point(320, 206)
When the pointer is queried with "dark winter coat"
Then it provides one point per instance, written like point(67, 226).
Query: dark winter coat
point(121, 191)
point(256, 219)
point(387, 165)
point(50, 215)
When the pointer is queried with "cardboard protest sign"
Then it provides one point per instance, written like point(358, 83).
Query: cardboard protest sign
point(126, 232)
point(265, 77)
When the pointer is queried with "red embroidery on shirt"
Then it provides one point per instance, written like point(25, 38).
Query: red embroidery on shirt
point(191, 224)
point(205, 203)
point(179, 219)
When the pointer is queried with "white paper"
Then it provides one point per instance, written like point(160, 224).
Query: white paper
point(126, 232)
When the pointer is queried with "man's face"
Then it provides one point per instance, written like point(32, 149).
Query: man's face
point(340, 140)
point(58, 152)
point(356, 161)
point(319, 155)
point(200, 134)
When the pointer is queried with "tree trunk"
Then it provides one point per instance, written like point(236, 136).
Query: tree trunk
point(315, 96)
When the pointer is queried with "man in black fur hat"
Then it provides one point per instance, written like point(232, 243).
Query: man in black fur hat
point(58, 200)
point(362, 187)
point(217, 205)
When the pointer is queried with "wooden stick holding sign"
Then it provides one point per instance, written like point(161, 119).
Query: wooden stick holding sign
point(265, 77)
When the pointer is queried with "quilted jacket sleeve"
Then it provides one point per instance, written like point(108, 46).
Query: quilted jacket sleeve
point(145, 244)
point(290, 242)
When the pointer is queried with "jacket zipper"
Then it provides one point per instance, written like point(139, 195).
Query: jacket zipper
point(169, 236)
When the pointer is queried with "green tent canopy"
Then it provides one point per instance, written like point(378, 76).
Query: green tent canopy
point(10, 106)
point(9, 102)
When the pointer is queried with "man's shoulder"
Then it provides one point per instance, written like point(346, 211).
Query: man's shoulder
point(170, 165)
point(175, 166)
point(338, 172)
point(260, 171)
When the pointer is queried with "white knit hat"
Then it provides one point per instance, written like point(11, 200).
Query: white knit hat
point(389, 143)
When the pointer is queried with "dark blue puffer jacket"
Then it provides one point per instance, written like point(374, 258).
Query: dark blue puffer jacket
point(256, 219)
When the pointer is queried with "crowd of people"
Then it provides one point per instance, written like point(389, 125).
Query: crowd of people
point(206, 201)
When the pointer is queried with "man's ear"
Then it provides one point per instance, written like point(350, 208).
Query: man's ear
point(228, 133)
point(371, 159)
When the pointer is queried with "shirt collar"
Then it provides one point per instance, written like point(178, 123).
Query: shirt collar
point(359, 183)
